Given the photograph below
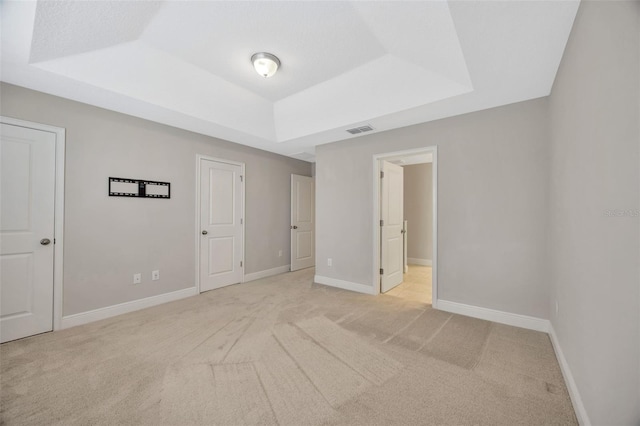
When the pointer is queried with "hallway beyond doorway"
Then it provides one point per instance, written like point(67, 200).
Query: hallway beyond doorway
point(416, 285)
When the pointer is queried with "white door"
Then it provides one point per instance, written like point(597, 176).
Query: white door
point(27, 196)
point(303, 200)
point(391, 226)
point(221, 228)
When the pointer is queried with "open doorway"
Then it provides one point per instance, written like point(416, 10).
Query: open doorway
point(419, 227)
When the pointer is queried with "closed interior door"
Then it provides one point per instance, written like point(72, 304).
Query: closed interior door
point(391, 227)
point(27, 197)
point(303, 196)
point(221, 224)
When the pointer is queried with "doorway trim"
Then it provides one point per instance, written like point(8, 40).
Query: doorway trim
point(293, 232)
point(58, 212)
point(433, 150)
point(200, 157)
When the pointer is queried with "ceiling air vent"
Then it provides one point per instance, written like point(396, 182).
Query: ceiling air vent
point(362, 129)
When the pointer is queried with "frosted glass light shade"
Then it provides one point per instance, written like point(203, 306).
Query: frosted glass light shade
point(265, 64)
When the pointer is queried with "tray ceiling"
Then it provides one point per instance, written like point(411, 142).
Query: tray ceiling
point(345, 64)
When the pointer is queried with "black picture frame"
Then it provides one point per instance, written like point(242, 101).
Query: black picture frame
point(141, 190)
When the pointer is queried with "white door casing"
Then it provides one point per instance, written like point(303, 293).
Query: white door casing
point(221, 232)
point(375, 210)
point(303, 209)
point(391, 227)
point(27, 226)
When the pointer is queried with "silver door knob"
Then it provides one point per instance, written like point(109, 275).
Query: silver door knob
point(294, 227)
point(45, 241)
point(204, 232)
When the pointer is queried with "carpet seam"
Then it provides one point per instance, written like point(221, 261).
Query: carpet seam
point(403, 328)
point(266, 394)
point(434, 334)
point(484, 347)
point(207, 338)
point(332, 354)
point(295, 361)
point(237, 340)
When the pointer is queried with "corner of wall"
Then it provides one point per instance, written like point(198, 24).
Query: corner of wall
point(574, 393)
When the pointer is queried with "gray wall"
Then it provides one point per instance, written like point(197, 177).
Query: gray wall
point(418, 210)
point(107, 240)
point(492, 205)
point(594, 113)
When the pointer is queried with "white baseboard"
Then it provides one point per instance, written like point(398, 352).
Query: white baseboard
point(345, 285)
point(124, 308)
point(416, 261)
point(266, 273)
point(578, 406)
point(523, 321)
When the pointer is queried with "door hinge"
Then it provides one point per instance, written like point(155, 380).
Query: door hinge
point(241, 178)
point(381, 222)
point(381, 174)
point(240, 221)
point(54, 241)
point(241, 263)
point(381, 271)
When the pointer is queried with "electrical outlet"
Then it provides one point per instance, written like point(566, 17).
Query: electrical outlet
point(279, 253)
point(155, 275)
point(329, 262)
point(137, 278)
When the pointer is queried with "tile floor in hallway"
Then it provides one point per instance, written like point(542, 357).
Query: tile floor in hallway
point(416, 285)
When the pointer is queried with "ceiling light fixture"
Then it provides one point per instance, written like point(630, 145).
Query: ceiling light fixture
point(265, 64)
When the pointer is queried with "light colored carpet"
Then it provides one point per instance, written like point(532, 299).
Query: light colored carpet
point(285, 351)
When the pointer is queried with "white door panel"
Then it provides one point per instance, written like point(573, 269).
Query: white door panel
point(17, 284)
point(221, 192)
point(223, 260)
point(304, 246)
point(392, 216)
point(27, 192)
point(302, 222)
point(221, 229)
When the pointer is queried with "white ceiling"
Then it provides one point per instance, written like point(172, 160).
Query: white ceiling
point(411, 159)
point(344, 63)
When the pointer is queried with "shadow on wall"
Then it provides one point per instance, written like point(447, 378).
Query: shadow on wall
point(418, 212)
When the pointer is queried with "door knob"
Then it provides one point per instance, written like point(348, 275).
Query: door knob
point(45, 241)
point(204, 232)
point(294, 227)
